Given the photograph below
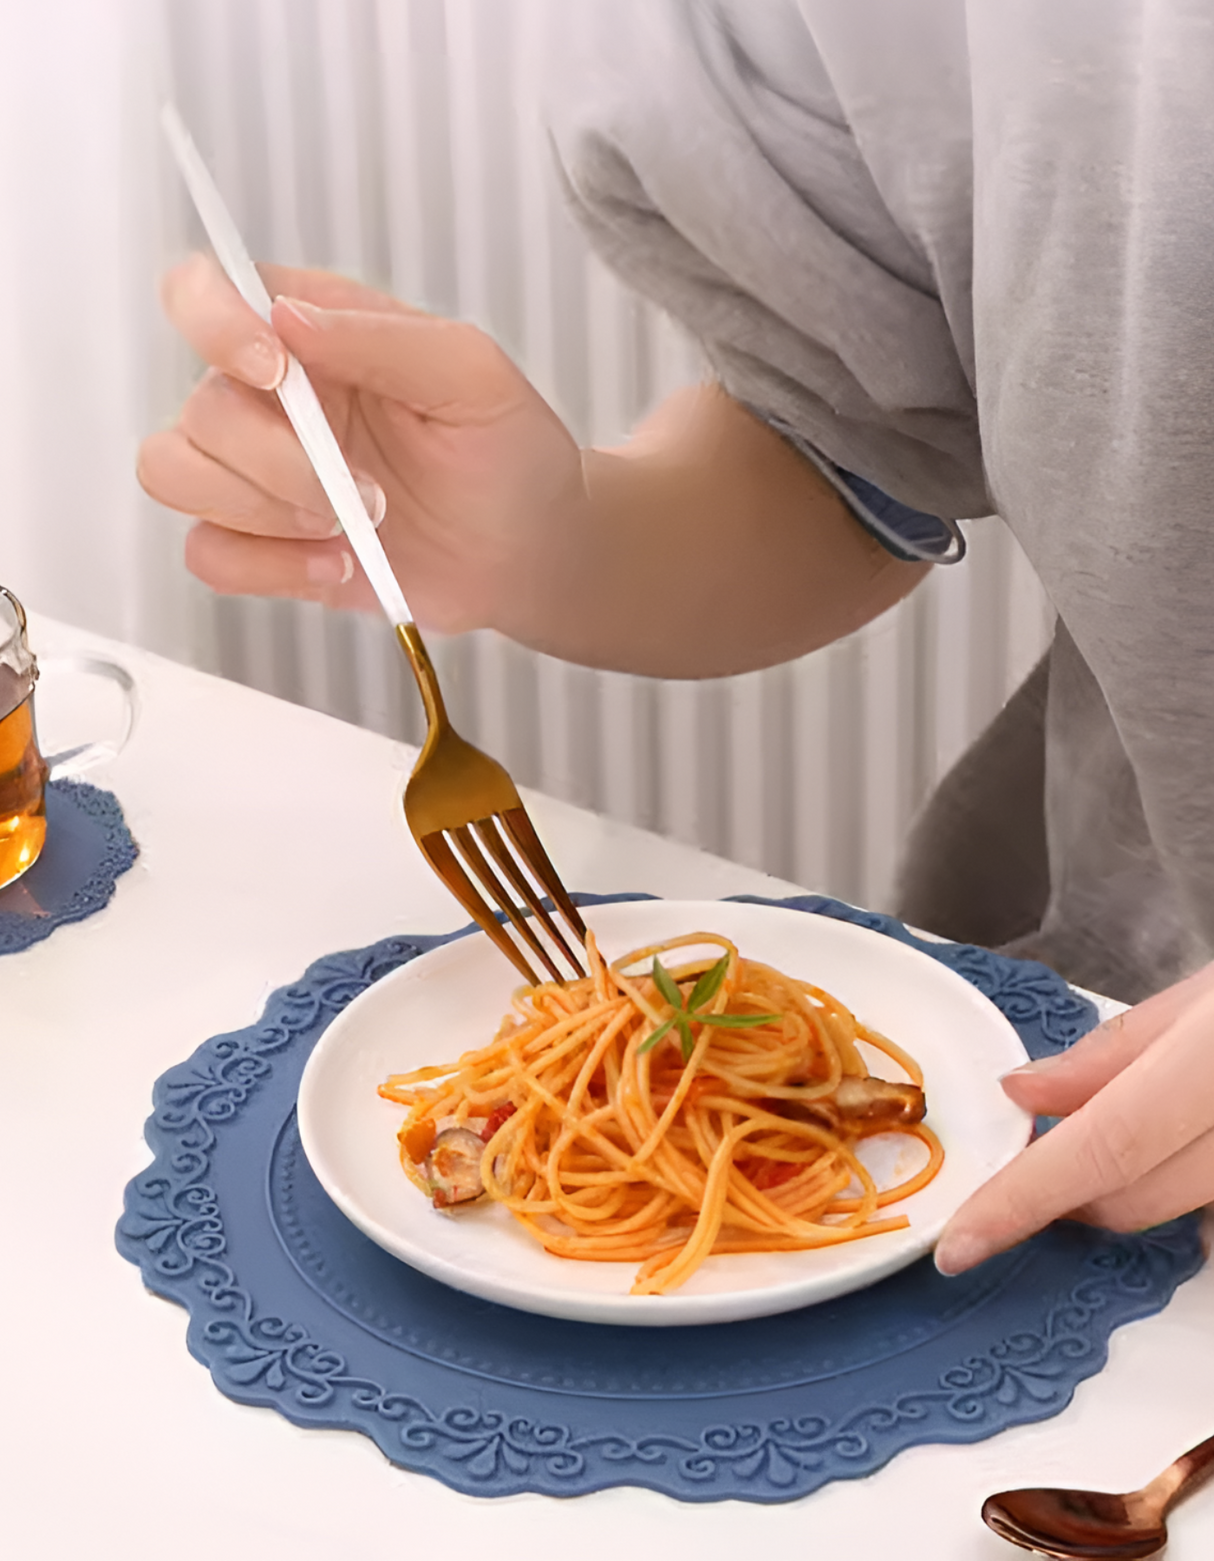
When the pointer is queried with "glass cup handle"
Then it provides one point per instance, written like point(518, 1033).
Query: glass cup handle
point(75, 761)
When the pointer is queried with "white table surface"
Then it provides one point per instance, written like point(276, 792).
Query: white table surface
point(270, 835)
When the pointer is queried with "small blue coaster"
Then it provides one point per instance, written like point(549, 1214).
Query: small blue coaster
point(88, 847)
point(292, 1307)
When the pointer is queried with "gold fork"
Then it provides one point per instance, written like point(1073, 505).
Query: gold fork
point(459, 800)
point(459, 803)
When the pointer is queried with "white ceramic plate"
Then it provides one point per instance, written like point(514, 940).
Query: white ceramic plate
point(452, 1000)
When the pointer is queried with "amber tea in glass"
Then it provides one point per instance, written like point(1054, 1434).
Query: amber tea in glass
point(23, 771)
point(22, 779)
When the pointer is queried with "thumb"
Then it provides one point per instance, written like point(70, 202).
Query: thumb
point(1057, 1086)
point(440, 369)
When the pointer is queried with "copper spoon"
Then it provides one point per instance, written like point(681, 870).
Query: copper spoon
point(1074, 1524)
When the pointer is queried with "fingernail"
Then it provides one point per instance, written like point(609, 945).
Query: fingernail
point(306, 314)
point(261, 363)
point(193, 273)
point(1038, 1065)
point(954, 1254)
point(309, 524)
point(375, 500)
point(330, 568)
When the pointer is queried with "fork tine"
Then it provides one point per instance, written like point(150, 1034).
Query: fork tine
point(467, 847)
point(445, 863)
point(488, 831)
point(522, 835)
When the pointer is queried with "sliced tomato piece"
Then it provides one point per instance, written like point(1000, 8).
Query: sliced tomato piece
point(497, 1116)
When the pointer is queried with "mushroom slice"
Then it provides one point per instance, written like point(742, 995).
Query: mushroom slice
point(870, 1101)
point(859, 1103)
point(453, 1167)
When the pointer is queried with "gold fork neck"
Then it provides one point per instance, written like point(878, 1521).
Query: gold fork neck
point(427, 680)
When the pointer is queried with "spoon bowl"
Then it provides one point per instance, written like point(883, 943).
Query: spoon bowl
point(1069, 1524)
point(1095, 1525)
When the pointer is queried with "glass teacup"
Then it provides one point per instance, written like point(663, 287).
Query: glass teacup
point(23, 770)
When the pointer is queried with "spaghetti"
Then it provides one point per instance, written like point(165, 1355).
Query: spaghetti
point(658, 1118)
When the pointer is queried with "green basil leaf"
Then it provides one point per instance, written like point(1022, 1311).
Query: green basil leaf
point(651, 1041)
point(737, 1021)
point(689, 1044)
point(709, 984)
point(666, 985)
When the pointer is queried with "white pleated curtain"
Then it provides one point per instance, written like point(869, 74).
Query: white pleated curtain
point(400, 141)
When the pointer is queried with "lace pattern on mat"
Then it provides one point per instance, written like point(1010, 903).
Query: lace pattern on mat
point(88, 848)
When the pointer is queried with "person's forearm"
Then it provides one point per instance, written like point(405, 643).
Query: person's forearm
point(705, 546)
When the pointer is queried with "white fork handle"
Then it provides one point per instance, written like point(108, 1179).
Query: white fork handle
point(299, 400)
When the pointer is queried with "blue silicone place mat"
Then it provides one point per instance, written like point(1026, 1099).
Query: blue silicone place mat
point(88, 847)
point(290, 1306)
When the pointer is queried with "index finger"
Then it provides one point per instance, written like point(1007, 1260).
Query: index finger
point(1056, 1086)
point(222, 329)
point(208, 311)
point(329, 290)
point(1157, 1105)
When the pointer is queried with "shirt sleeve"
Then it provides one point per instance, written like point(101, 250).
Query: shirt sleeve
point(909, 534)
point(704, 151)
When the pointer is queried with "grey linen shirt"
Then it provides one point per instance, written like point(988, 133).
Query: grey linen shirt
point(967, 252)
